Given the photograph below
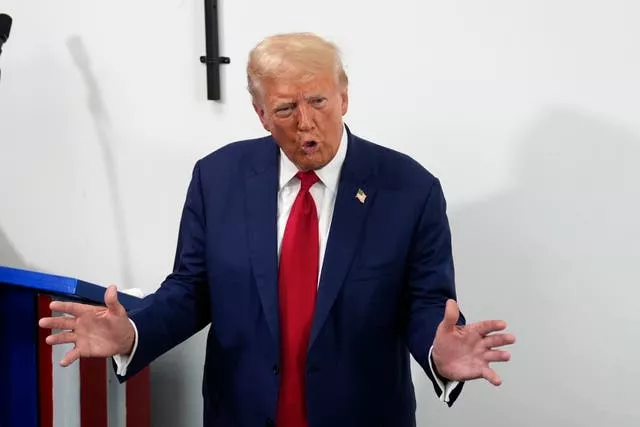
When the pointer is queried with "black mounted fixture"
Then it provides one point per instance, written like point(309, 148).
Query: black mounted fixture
point(212, 59)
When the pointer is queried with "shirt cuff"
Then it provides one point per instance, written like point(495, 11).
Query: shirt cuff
point(123, 361)
point(445, 387)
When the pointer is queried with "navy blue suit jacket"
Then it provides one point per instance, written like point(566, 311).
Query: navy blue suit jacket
point(387, 273)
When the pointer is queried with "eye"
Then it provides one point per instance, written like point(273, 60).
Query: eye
point(284, 111)
point(318, 102)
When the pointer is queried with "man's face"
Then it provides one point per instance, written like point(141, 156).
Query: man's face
point(304, 117)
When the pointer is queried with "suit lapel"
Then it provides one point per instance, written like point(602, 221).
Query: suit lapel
point(349, 216)
point(262, 206)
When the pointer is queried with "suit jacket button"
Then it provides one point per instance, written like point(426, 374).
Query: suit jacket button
point(276, 369)
point(270, 423)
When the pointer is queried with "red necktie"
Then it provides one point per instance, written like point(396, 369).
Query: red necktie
point(298, 276)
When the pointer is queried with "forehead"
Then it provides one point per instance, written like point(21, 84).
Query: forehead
point(290, 88)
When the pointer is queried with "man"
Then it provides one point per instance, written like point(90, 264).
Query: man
point(321, 261)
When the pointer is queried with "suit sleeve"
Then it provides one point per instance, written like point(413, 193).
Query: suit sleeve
point(430, 282)
point(181, 305)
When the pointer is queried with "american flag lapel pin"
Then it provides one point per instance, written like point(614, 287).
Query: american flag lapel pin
point(360, 195)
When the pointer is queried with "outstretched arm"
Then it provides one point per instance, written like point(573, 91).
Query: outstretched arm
point(181, 306)
point(449, 351)
point(177, 310)
point(430, 283)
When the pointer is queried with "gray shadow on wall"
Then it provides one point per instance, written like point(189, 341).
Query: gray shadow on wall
point(557, 258)
point(176, 376)
point(99, 112)
point(9, 256)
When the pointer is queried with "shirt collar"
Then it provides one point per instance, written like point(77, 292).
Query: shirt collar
point(329, 174)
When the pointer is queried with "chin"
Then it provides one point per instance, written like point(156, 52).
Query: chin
point(313, 162)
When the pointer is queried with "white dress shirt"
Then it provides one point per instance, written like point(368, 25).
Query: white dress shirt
point(324, 195)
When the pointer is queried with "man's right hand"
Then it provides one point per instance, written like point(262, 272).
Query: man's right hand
point(95, 331)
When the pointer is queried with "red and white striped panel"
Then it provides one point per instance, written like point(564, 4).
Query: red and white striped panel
point(87, 393)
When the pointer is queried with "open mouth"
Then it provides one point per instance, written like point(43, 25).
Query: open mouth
point(309, 146)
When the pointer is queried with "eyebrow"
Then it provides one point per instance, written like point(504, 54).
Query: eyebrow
point(286, 104)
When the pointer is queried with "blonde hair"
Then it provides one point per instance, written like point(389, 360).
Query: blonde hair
point(293, 55)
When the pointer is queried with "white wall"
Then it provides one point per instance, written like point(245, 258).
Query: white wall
point(527, 110)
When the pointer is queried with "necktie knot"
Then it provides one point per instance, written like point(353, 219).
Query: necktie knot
point(307, 179)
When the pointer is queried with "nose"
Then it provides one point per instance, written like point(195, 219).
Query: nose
point(305, 117)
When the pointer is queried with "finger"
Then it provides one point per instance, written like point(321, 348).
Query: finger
point(111, 300)
point(451, 314)
point(487, 326)
point(491, 376)
point(70, 357)
point(497, 356)
point(72, 308)
point(498, 340)
point(57, 322)
point(61, 338)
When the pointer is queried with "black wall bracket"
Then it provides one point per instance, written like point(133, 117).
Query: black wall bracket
point(212, 59)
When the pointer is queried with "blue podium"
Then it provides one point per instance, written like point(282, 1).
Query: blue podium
point(26, 385)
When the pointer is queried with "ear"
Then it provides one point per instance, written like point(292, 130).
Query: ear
point(260, 111)
point(344, 101)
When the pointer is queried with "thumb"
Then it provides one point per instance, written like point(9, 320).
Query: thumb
point(451, 314)
point(111, 300)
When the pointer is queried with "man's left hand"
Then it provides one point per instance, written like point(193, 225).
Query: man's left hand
point(463, 353)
